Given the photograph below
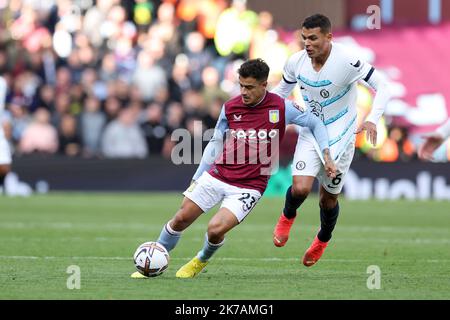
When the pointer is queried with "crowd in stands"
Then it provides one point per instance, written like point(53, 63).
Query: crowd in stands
point(114, 79)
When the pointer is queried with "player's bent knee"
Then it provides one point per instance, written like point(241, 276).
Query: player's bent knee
point(216, 232)
point(181, 221)
point(300, 191)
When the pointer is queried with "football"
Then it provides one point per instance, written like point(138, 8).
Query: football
point(151, 259)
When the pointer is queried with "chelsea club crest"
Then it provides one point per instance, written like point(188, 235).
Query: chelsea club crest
point(324, 93)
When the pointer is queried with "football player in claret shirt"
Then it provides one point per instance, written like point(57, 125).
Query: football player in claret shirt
point(236, 171)
point(327, 74)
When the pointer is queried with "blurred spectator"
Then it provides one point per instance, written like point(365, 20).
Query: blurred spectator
point(175, 116)
point(396, 147)
point(86, 60)
point(112, 108)
point(125, 58)
point(75, 66)
point(92, 122)
point(193, 104)
point(46, 97)
point(39, 136)
point(108, 70)
point(123, 137)
point(148, 77)
point(86, 53)
point(179, 81)
point(214, 108)
point(265, 44)
point(27, 29)
point(175, 119)
point(76, 95)
point(154, 129)
point(234, 29)
point(198, 57)
point(94, 20)
point(120, 89)
point(143, 12)
point(211, 89)
point(196, 128)
point(204, 12)
point(20, 120)
point(62, 107)
point(92, 85)
point(165, 29)
point(260, 35)
point(63, 80)
point(69, 140)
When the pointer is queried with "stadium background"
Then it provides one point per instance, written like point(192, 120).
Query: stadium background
point(97, 88)
point(113, 79)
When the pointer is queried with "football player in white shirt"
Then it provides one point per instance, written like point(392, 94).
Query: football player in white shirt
point(327, 74)
point(433, 141)
point(5, 152)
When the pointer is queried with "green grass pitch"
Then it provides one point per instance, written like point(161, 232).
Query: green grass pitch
point(41, 236)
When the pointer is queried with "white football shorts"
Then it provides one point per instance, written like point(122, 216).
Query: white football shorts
point(208, 191)
point(307, 162)
point(5, 152)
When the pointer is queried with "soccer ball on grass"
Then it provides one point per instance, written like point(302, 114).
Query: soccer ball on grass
point(151, 259)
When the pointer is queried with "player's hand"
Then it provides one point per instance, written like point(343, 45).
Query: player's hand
point(432, 142)
point(371, 131)
point(329, 166)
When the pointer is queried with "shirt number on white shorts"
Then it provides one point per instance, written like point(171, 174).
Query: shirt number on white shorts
point(248, 201)
point(335, 181)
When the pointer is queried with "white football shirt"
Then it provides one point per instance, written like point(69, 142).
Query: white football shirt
point(330, 93)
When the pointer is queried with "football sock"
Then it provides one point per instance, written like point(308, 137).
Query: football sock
point(2, 184)
point(328, 219)
point(291, 204)
point(169, 237)
point(208, 249)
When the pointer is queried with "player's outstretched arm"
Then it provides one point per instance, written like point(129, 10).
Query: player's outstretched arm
point(214, 146)
point(382, 97)
point(295, 115)
point(433, 141)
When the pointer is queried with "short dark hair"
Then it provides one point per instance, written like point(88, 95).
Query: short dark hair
point(255, 68)
point(318, 20)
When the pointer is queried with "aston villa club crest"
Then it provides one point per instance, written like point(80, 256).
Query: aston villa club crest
point(274, 116)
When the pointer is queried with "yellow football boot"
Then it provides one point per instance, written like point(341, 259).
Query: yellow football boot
point(191, 269)
point(138, 275)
